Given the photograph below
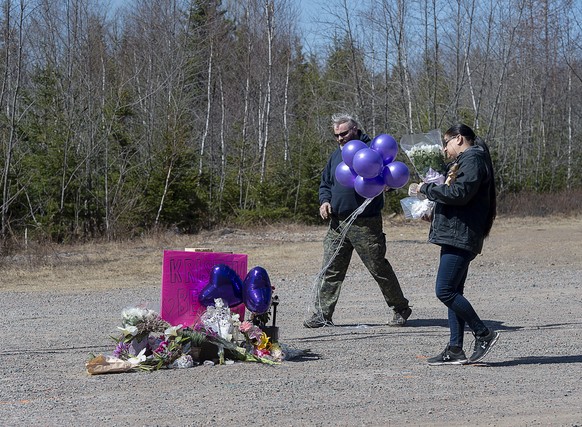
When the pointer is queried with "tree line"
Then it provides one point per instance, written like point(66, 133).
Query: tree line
point(186, 114)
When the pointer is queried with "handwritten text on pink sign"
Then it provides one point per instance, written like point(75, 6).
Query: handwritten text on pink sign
point(184, 275)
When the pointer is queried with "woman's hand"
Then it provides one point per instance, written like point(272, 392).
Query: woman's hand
point(414, 191)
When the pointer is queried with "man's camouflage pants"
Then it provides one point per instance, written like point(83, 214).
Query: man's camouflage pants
point(366, 236)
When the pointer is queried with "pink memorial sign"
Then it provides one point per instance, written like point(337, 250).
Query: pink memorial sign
point(185, 274)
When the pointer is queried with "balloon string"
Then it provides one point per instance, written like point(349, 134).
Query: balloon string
point(342, 229)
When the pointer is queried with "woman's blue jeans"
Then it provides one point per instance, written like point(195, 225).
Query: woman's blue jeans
point(450, 284)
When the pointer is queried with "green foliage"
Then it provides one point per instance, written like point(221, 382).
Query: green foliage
point(48, 169)
point(271, 199)
point(183, 206)
point(392, 201)
point(195, 338)
point(434, 89)
point(261, 216)
point(342, 76)
point(108, 137)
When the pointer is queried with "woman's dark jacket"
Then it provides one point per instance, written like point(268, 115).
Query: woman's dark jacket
point(461, 212)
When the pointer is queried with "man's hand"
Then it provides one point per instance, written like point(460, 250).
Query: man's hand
point(325, 210)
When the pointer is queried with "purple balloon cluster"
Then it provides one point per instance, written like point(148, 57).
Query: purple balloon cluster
point(255, 291)
point(369, 169)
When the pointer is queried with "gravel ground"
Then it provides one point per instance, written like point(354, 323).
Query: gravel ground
point(58, 310)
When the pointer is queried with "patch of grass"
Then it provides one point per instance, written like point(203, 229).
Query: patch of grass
point(523, 204)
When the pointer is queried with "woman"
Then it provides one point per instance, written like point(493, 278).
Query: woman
point(465, 208)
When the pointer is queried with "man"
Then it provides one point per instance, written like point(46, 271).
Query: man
point(365, 235)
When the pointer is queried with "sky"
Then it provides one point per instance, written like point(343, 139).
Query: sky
point(315, 17)
point(311, 12)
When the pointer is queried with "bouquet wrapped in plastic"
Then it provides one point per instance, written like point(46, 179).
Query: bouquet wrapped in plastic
point(415, 208)
point(426, 155)
point(425, 152)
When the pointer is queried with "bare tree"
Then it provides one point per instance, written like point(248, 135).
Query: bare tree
point(266, 119)
point(13, 35)
point(400, 41)
point(209, 101)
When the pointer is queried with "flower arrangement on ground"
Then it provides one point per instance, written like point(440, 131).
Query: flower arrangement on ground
point(147, 342)
point(137, 325)
point(258, 343)
point(218, 321)
point(151, 343)
point(225, 329)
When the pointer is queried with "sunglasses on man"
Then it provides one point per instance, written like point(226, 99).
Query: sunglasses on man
point(343, 134)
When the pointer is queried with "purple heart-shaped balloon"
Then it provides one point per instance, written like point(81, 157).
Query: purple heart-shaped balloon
point(223, 283)
point(257, 291)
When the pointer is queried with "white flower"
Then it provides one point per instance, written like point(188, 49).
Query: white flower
point(136, 360)
point(225, 329)
point(421, 208)
point(424, 148)
point(425, 152)
point(220, 320)
point(235, 320)
point(128, 330)
point(172, 331)
point(135, 315)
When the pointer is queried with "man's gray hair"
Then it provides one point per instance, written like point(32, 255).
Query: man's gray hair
point(341, 118)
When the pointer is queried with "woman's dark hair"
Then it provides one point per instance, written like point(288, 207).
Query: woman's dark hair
point(467, 133)
point(463, 130)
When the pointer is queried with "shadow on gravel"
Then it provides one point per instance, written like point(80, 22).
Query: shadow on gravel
point(557, 325)
point(349, 329)
point(348, 335)
point(494, 324)
point(538, 360)
point(305, 356)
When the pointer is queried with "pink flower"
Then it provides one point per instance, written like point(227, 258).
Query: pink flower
point(245, 326)
point(262, 353)
point(255, 333)
point(162, 347)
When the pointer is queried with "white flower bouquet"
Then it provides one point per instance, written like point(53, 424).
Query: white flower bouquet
point(218, 321)
point(426, 155)
point(138, 324)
